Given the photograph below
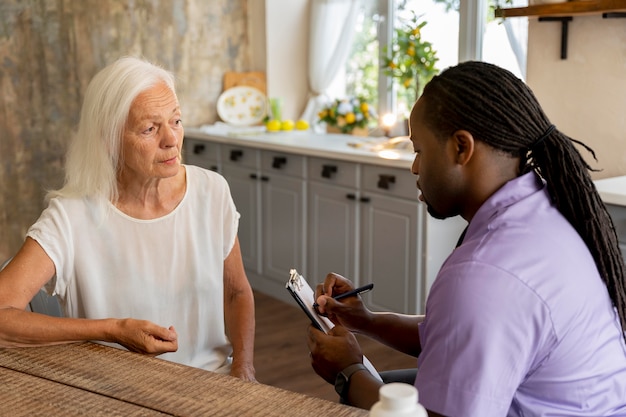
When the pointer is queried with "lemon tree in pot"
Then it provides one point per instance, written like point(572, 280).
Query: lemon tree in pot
point(411, 60)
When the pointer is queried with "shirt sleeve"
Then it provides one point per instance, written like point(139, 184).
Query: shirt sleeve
point(52, 232)
point(479, 340)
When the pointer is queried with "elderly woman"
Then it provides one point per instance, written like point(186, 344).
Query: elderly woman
point(141, 250)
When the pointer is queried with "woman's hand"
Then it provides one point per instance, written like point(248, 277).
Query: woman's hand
point(243, 371)
point(143, 336)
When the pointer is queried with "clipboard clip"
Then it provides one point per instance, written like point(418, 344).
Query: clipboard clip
point(295, 279)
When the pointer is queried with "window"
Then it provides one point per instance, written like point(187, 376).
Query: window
point(502, 43)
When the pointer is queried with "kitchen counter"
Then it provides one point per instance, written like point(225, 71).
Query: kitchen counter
point(612, 190)
point(353, 149)
point(337, 146)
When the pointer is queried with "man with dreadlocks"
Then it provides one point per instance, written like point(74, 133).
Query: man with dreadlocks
point(527, 315)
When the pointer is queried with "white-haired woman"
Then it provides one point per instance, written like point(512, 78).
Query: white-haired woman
point(141, 250)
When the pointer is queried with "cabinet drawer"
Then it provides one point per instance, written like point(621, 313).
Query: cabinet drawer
point(391, 181)
point(333, 172)
point(201, 153)
point(282, 163)
point(240, 155)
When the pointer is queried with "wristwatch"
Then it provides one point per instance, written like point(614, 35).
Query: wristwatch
point(342, 381)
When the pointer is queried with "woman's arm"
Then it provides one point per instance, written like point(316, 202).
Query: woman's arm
point(239, 314)
point(22, 278)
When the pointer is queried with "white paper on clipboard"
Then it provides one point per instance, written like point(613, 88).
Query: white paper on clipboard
point(302, 292)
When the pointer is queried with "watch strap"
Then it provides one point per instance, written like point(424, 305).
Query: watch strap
point(342, 382)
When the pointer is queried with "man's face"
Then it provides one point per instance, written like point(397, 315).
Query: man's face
point(434, 165)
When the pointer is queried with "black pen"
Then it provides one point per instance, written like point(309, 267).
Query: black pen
point(355, 291)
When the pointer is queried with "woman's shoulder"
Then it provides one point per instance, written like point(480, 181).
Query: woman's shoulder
point(203, 174)
point(199, 178)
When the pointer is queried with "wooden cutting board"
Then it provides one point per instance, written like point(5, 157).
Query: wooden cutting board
point(254, 79)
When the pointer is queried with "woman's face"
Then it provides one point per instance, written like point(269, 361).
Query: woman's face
point(153, 136)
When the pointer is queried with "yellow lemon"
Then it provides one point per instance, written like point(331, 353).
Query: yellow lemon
point(302, 124)
point(273, 125)
point(350, 118)
point(287, 125)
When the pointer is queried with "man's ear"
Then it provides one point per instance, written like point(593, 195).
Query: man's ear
point(462, 143)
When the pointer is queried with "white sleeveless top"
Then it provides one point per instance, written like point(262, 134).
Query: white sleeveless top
point(167, 270)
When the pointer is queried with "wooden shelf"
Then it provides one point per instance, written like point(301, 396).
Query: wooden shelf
point(564, 13)
point(570, 8)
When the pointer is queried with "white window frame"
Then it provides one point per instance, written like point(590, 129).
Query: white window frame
point(472, 18)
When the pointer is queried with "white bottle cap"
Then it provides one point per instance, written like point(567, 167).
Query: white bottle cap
point(398, 396)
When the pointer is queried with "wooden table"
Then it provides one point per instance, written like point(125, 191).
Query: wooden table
point(87, 379)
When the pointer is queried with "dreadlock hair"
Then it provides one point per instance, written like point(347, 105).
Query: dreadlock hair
point(499, 109)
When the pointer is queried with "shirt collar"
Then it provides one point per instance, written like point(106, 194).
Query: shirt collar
point(510, 193)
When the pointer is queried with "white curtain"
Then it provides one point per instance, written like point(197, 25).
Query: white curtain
point(332, 24)
point(517, 33)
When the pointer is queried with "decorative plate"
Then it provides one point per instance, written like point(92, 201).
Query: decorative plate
point(242, 106)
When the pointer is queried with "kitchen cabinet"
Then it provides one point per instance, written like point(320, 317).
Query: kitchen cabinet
point(332, 219)
point(390, 221)
point(268, 190)
point(241, 168)
point(320, 215)
point(283, 226)
point(203, 154)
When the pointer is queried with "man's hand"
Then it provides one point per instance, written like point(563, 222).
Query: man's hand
point(331, 353)
point(350, 312)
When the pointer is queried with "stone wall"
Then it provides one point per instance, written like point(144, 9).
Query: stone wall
point(50, 49)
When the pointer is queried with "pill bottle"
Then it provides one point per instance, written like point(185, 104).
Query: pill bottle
point(398, 400)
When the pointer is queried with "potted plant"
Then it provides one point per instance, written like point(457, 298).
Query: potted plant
point(411, 60)
point(348, 115)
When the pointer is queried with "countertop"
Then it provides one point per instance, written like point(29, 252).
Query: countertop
point(351, 148)
point(612, 190)
point(336, 146)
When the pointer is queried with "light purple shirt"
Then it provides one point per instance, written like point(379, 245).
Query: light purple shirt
point(518, 320)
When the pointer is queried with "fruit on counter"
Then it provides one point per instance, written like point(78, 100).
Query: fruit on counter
point(302, 124)
point(273, 125)
point(287, 125)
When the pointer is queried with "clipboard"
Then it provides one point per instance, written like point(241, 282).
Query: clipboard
point(302, 292)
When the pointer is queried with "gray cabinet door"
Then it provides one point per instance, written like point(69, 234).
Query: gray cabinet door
point(332, 213)
point(389, 254)
point(241, 172)
point(283, 226)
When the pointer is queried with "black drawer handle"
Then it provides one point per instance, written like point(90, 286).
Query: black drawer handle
point(198, 149)
point(213, 168)
point(351, 196)
point(235, 155)
point(256, 177)
point(328, 170)
point(384, 180)
point(278, 162)
point(364, 200)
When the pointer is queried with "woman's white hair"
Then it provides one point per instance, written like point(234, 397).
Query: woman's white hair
point(93, 156)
